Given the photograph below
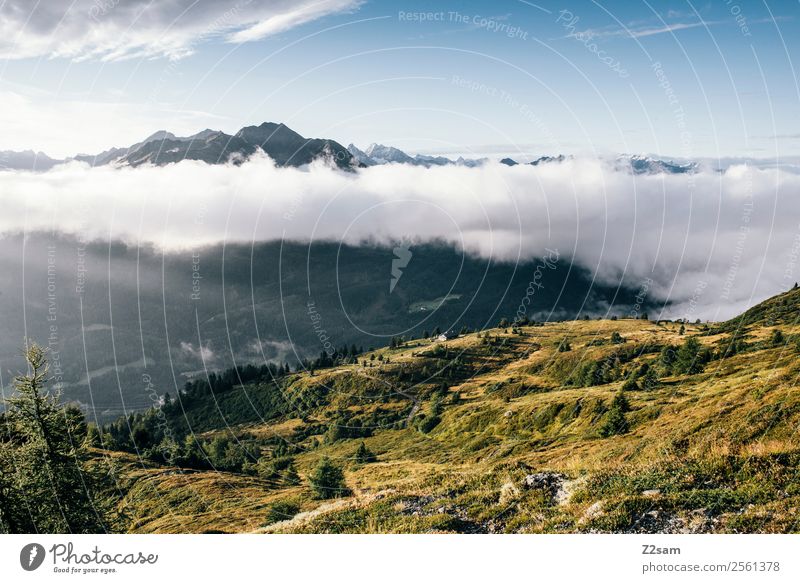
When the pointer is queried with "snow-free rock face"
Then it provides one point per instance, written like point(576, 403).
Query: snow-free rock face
point(285, 146)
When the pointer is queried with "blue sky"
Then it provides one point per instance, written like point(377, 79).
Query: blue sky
point(483, 78)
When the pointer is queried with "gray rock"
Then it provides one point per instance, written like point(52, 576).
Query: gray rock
point(549, 482)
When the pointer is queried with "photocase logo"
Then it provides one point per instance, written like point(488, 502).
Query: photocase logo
point(402, 256)
point(31, 556)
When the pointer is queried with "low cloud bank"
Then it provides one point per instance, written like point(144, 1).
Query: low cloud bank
point(711, 243)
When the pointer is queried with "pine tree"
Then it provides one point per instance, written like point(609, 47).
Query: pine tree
point(290, 475)
point(687, 359)
point(13, 507)
point(364, 455)
point(616, 423)
point(667, 357)
point(52, 487)
point(327, 480)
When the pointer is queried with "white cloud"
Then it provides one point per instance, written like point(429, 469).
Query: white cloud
point(734, 236)
point(117, 29)
point(291, 18)
point(201, 353)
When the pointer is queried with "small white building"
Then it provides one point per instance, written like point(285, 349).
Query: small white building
point(449, 335)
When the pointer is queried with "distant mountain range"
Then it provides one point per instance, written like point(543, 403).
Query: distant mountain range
point(287, 148)
point(378, 154)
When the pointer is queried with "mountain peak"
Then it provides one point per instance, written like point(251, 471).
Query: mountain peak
point(268, 132)
point(205, 134)
point(160, 135)
point(644, 164)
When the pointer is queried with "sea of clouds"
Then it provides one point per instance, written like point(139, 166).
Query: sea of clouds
point(712, 243)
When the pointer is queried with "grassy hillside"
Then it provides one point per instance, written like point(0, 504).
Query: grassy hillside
point(780, 309)
point(513, 430)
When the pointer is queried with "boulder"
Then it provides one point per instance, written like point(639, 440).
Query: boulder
point(549, 482)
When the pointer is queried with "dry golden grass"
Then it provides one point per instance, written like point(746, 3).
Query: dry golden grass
point(714, 445)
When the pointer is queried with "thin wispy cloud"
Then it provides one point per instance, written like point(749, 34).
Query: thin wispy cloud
point(639, 30)
point(88, 29)
point(291, 18)
point(669, 28)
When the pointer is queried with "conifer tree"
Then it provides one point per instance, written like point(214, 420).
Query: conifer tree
point(327, 480)
point(687, 358)
point(48, 484)
point(364, 455)
point(616, 423)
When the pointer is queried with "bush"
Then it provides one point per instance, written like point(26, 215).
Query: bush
point(649, 380)
point(427, 424)
point(279, 471)
point(630, 385)
point(281, 510)
point(327, 480)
